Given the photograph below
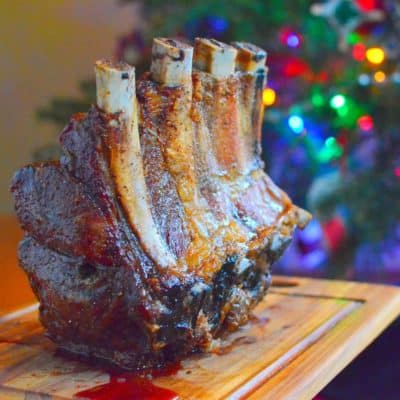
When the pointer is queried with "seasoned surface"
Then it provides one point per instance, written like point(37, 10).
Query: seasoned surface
point(155, 232)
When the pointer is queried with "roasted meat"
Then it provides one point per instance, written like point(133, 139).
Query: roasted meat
point(155, 232)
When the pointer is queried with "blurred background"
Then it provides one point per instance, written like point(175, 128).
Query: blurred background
point(331, 129)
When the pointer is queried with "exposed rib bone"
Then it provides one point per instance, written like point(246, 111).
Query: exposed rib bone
point(250, 58)
point(170, 69)
point(171, 62)
point(178, 151)
point(116, 94)
point(218, 61)
point(251, 62)
point(214, 57)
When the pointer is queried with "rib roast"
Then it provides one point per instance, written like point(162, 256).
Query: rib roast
point(156, 230)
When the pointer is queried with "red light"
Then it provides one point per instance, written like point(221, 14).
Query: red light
point(334, 233)
point(295, 67)
point(322, 77)
point(397, 172)
point(367, 5)
point(358, 52)
point(365, 123)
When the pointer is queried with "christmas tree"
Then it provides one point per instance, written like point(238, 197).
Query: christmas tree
point(331, 128)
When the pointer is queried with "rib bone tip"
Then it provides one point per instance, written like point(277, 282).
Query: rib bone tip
point(171, 61)
point(250, 58)
point(214, 57)
point(115, 86)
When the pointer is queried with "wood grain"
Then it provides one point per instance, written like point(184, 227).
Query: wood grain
point(302, 335)
point(313, 369)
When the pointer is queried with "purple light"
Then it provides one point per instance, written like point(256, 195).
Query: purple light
point(293, 40)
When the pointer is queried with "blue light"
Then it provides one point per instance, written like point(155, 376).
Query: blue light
point(396, 77)
point(296, 124)
point(293, 41)
point(217, 24)
point(364, 79)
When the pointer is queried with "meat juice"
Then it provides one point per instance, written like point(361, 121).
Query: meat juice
point(132, 386)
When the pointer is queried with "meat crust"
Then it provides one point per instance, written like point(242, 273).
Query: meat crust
point(103, 292)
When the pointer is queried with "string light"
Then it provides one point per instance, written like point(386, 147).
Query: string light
point(364, 79)
point(337, 101)
point(330, 151)
point(375, 55)
point(396, 77)
point(269, 96)
point(380, 77)
point(290, 38)
point(293, 40)
point(358, 52)
point(367, 5)
point(343, 111)
point(365, 123)
point(317, 99)
point(353, 38)
point(296, 124)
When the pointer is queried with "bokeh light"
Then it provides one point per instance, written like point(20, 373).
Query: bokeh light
point(337, 101)
point(365, 123)
point(293, 40)
point(269, 96)
point(317, 99)
point(364, 79)
point(375, 55)
point(358, 52)
point(380, 77)
point(296, 124)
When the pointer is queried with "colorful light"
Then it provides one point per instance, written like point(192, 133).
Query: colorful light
point(294, 66)
point(296, 124)
point(337, 101)
point(365, 123)
point(290, 37)
point(293, 40)
point(379, 76)
point(343, 111)
point(331, 150)
point(397, 172)
point(375, 55)
point(353, 38)
point(396, 77)
point(269, 96)
point(216, 24)
point(364, 79)
point(317, 99)
point(358, 52)
point(367, 5)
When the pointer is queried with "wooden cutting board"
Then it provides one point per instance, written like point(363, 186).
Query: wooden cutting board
point(303, 334)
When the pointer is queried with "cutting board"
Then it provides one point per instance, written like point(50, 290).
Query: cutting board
point(303, 334)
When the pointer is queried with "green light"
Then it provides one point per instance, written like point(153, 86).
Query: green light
point(337, 101)
point(343, 111)
point(331, 150)
point(317, 100)
point(353, 38)
point(331, 141)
